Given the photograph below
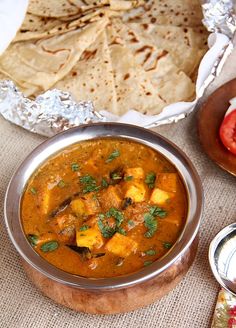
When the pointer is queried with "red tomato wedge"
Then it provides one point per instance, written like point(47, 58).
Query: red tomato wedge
point(228, 132)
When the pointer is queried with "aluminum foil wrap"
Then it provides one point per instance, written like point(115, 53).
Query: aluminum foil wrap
point(50, 113)
point(219, 16)
point(55, 111)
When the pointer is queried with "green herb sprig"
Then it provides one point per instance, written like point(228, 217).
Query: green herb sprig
point(150, 179)
point(104, 227)
point(112, 156)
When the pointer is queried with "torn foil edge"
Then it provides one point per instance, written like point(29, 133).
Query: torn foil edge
point(50, 113)
point(55, 111)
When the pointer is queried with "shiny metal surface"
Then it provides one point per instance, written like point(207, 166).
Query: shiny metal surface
point(222, 258)
point(86, 132)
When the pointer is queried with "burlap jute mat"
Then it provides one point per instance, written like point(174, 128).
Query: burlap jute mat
point(191, 304)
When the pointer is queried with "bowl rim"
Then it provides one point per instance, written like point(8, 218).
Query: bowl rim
point(74, 135)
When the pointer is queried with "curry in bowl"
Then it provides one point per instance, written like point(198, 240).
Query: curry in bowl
point(104, 208)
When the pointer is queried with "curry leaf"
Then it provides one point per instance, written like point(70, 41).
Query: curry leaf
point(150, 179)
point(49, 246)
point(146, 263)
point(112, 156)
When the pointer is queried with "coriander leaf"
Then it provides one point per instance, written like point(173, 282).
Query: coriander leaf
point(150, 179)
point(84, 227)
point(112, 156)
point(104, 183)
point(106, 230)
point(87, 179)
point(167, 245)
point(90, 188)
point(33, 191)
point(33, 239)
point(121, 231)
point(146, 263)
point(157, 211)
point(150, 222)
point(74, 167)
point(128, 178)
point(116, 214)
point(150, 252)
point(61, 184)
point(49, 246)
point(89, 184)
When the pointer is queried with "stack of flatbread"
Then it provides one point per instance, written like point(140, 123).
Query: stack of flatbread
point(122, 55)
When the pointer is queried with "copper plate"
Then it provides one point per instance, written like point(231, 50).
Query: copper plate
point(210, 117)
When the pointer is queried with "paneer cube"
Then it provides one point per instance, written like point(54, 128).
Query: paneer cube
point(121, 245)
point(167, 181)
point(87, 205)
point(136, 172)
point(159, 196)
point(90, 238)
point(111, 197)
point(92, 204)
point(136, 192)
point(78, 207)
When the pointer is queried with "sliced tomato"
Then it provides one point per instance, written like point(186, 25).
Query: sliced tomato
point(228, 132)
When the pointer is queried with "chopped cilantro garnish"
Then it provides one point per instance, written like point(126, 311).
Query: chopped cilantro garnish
point(61, 184)
point(146, 263)
point(84, 227)
point(150, 252)
point(33, 239)
point(89, 184)
point(49, 246)
point(128, 178)
point(167, 245)
point(33, 191)
point(150, 222)
point(122, 231)
point(112, 156)
point(150, 179)
point(157, 211)
point(116, 214)
point(105, 229)
point(74, 167)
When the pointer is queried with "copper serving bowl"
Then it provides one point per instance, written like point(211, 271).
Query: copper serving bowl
point(108, 295)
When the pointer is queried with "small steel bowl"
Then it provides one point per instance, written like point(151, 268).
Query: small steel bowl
point(109, 295)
